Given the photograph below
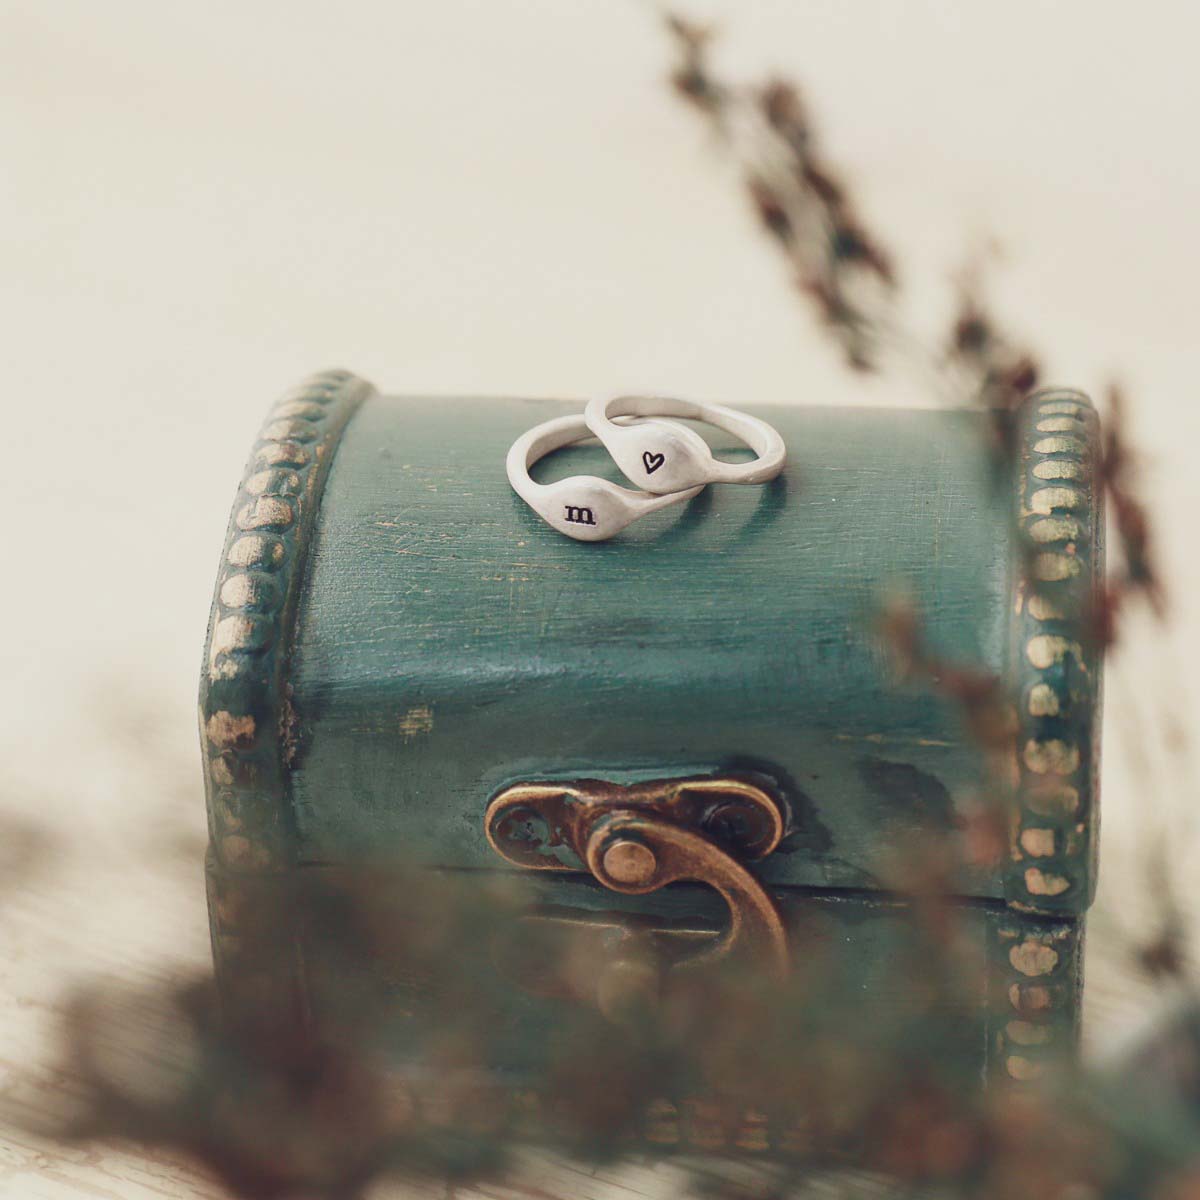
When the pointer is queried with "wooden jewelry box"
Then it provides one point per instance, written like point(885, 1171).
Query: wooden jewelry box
point(404, 660)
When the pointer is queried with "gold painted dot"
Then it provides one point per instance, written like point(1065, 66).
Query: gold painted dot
point(1043, 701)
point(221, 772)
point(247, 591)
point(1026, 1033)
point(1052, 799)
point(1051, 757)
point(1058, 468)
point(752, 1133)
point(267, 512)
point(1041, 608)
point(1060, 445)
point(1042, 883)
point(229, 818)
point(1021, 1068)
point(1038, 842)
point(1059, 425)
point(273, 482)
point(283, 454)
point(1033, 958)
point(663, 1123)
point(226, 731)
point(239, 632)
point(1054, 529)
point(1027, 998)
point(1053, 568)
point(1046, 649)
point(255, 550)
point(1046, 500)
point(289, 431)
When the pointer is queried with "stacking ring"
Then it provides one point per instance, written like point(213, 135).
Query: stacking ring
point(662, 456)
point(584, 507)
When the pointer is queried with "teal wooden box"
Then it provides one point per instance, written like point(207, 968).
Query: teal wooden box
point(396, 638)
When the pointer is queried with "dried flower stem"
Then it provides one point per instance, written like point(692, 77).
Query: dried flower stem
point(804, 206)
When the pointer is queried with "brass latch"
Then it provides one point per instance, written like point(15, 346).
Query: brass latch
point(638, 838)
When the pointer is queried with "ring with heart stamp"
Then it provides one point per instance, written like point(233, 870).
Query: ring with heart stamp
point(664, 457)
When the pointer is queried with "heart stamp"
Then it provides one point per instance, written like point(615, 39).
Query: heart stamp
point(652, 461)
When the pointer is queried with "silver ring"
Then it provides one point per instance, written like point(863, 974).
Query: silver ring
point(584, 507)
point(662, 456)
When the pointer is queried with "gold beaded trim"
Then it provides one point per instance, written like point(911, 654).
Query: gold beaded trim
point(1053, 843)
point(244, 712)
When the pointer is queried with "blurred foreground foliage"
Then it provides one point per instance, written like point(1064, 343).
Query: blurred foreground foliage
point(844, 270)
point(406, 1058)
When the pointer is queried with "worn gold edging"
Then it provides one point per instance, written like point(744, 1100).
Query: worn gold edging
point(1051, 875)
point(245, 716)
point(1053, 848)
point(1036, 974)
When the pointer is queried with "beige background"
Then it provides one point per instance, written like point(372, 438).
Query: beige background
point(199, 203)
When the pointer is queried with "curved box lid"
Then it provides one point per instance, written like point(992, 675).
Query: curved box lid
point(396, 637)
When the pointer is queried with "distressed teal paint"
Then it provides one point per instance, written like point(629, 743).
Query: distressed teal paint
point(1055, 669)
point(740, 631)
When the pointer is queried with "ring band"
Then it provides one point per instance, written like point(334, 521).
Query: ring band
point(584, 507)
point(662, 456)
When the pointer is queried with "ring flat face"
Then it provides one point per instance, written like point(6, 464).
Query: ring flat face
point(660, 456)
point(664, 456)
point(584, 507)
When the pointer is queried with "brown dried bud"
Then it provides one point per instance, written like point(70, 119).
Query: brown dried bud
point(822, 183)
point(770, 208)
point(851, 244)
point(972, 333)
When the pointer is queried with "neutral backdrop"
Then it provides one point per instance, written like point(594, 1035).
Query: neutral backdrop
point(200, 203)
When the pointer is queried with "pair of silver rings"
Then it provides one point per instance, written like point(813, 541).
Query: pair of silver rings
point(670, 462)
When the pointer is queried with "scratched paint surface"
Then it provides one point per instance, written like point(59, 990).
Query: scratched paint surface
point(449, 642)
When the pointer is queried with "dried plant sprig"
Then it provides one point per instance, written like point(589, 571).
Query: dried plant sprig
point(986, 708)
point(1138, 574)
point(691, 77)
point(804, 205)
point(391, 1071)
point(988, 717)
point(833, 257)
point(987, 363)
